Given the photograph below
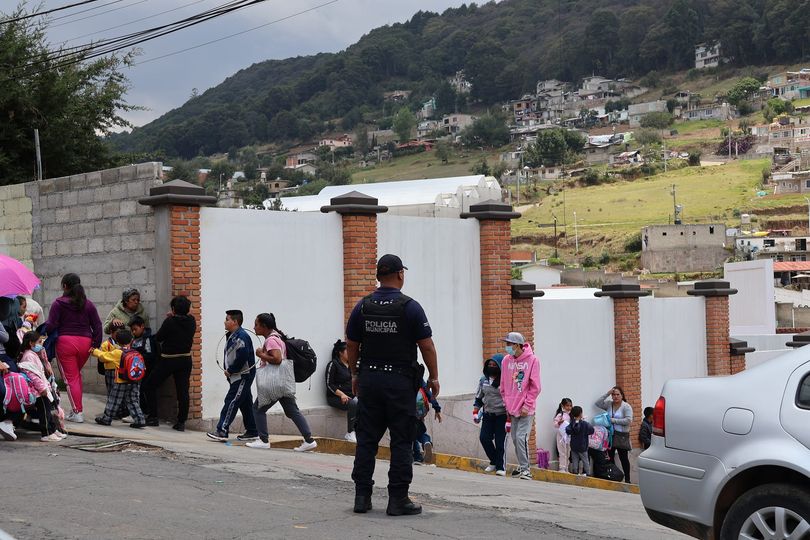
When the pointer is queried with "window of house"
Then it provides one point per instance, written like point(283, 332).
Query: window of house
point(663, 234)
point(807, 183)
point(711, 229)
point(803, 393)
point(769, 242)
point(801, 244)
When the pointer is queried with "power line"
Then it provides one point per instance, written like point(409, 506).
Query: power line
point(84, 11)
point(237, 33)
point(41, 13)
point(98, 14)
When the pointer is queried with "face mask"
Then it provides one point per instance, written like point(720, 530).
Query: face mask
point(493, 371)
point(37, 348)
point(510, 350)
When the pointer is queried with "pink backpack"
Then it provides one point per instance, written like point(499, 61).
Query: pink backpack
point(18, 393)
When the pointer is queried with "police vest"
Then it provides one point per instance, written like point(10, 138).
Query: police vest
point(387, 336)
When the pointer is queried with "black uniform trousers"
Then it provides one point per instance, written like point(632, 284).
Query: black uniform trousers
point(180, 370)
point(386, 401)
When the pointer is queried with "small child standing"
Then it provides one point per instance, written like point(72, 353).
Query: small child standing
point(562, 419)
point(123, 391)
point(645, 432)
point(579, 430)
point(488, 400)
point(31, 365)
point(423, 444)
point(144, 342)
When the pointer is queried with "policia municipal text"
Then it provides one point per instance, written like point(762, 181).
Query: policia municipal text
point(383, 332)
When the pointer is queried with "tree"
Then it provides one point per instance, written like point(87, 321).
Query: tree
point(360, 141)
point(182, 171)
point(73, 106)
point(657, 120)
point(404, 122)
point(549, 149)
point(443, 151)
point(482, 167)
point(489, 130)
point(742, 90)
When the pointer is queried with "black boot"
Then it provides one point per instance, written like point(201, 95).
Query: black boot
point(362, 504)
point(152, 421)
point(402, 506)
point(179, 426)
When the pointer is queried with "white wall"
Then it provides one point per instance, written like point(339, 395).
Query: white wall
point(673, 343)
point(752, 309)
point(286, 263)
point(574, 343)
point(444, 276)
point(542, 276)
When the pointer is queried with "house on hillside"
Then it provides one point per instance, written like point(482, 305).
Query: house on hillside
point(790, 84)
point(791, 182)
point(779, 247)
point(298, 159)
point(397, 96)
point(708, 55)
point(683, 248)
point(459, 83)
point(789, 132)
point(428, 109)
point(426, 127)
point(637, 111)
point(714, 111)
point(342, 142)
point(454, 123)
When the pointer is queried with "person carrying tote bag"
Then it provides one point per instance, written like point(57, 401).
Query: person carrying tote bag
point(621, 416)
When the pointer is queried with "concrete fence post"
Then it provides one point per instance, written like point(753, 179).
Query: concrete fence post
point(627, 344)
point(719, 360)
point(177, 263)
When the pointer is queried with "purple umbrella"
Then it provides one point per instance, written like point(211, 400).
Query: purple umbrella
point(15, 278)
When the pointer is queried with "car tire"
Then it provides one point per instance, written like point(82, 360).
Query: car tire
point(765, 507)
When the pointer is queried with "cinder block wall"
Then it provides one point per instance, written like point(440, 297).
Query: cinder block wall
point(90, 224)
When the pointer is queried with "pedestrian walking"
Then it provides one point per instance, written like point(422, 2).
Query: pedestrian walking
point(520, 386)
point(384, 331)
point(274, 351)
point(175, 338)
point(75, 318)
point(489, 410)
point(239, 369)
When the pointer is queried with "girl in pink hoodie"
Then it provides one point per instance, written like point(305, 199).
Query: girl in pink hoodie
point(520, 386)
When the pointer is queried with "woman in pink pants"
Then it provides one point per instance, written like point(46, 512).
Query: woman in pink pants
point(76, 320)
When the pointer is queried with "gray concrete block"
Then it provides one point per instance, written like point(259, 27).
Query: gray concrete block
point(70, 230)
point(136, 189)
point(85, 196)
point(143, 210)
point(110, 209)
point(112, 243)
point(138, 277)
point(149, 170)
point(70, 198)
point(127, 174)
point(94, 211)
point(54, 200)
point(78, 212)
point(138, 224)
point(49, 249)
point(79, 181)
point(120, 278)
point(129, 208)
point(94, 178)
point(25, 205)
point(47, 217)
point(60, 184)
point(101, 194)
point(63, 248)
point(130, 242)
point(118, 191)
point(87, 229)
point(78, 246)
point(109, 176)
point(62, 215)
point(103, 279)
point(120, 226)
point(95, 245)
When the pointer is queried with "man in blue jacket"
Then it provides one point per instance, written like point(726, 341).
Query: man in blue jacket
point(240, 371)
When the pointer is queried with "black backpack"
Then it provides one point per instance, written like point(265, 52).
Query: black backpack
point(304, 358)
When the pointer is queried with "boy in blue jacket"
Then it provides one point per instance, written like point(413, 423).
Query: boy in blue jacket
point(240, 364)
point(423, 442)
point(579, 430)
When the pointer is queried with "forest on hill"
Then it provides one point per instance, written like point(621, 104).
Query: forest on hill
point(503, 48)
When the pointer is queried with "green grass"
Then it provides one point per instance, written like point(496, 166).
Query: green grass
point(424, 165)
point(687, 127)
point(801, 102)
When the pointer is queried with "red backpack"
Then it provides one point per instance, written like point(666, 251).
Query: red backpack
point(132, 367)
point(18, 393)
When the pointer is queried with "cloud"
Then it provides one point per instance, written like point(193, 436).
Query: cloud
point(164, 84)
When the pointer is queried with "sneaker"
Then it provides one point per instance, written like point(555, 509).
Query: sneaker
point(153, 422)
point(500, 472)
point(351, 437)
point(53, 437)
point(246, 437)
point(76, 417)
point(258, 443)
point(7, 431)
point(418, 462)
point(517, 472)
point(179, 426)
point(525, 475)
point(127, 419)
point(220, 437)
point(490, 468)
point(306, 446)
point(61, 435)
point(137, 425)
point(101, 420)
point(427, 449)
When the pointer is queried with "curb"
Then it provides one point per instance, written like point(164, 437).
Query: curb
point(468, 464)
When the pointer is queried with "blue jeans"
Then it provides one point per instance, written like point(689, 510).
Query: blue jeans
point(493, 428)
point(422, 438)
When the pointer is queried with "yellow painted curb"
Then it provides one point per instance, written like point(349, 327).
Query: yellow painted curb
point(462, 463)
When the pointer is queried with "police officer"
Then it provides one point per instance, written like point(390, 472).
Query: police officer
point(383, 333)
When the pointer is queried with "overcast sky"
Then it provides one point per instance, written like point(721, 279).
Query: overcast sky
point(164, 84)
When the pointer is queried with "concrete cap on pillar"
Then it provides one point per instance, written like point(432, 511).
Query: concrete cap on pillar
point(496, 210)
point(738, 347)
point(524, 289)
point(712, 287)
point(799, 340)
point(354, 203)
point(178, 192)
point(622, 290)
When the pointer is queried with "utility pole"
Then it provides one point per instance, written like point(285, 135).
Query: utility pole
point(556, 255)
point(39, 155)
point(576, 235)
point(665, 155)
point(675, 219)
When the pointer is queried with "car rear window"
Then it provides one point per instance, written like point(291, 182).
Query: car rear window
point(803, 394)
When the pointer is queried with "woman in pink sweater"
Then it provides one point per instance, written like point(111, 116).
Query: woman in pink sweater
point(520, 386)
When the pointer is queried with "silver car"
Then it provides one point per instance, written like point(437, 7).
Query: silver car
point(730, 456)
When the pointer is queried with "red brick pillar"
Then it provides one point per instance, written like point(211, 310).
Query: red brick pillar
point(718, 349)
point(177, 260)
point(627, 345)
point(359, 216)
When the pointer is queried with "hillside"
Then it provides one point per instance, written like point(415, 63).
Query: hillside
point(503, 48)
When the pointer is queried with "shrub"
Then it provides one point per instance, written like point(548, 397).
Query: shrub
point(694, 158)
point(633, 244)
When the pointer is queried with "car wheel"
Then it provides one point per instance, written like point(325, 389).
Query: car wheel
point(772, 511)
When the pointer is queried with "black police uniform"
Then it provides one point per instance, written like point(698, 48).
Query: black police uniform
point(387, 324)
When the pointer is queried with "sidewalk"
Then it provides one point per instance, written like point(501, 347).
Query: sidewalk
point(166, 438)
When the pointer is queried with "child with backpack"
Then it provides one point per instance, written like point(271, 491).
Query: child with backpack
point(129, 368)
point(562, 419)
point(30, 364)
point(579, 430)
point(144, 342)
point(488, 408)
point(423, 445)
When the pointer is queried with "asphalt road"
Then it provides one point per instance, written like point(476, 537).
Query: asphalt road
point(58, 492)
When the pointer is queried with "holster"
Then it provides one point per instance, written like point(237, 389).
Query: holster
point(418, 375)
